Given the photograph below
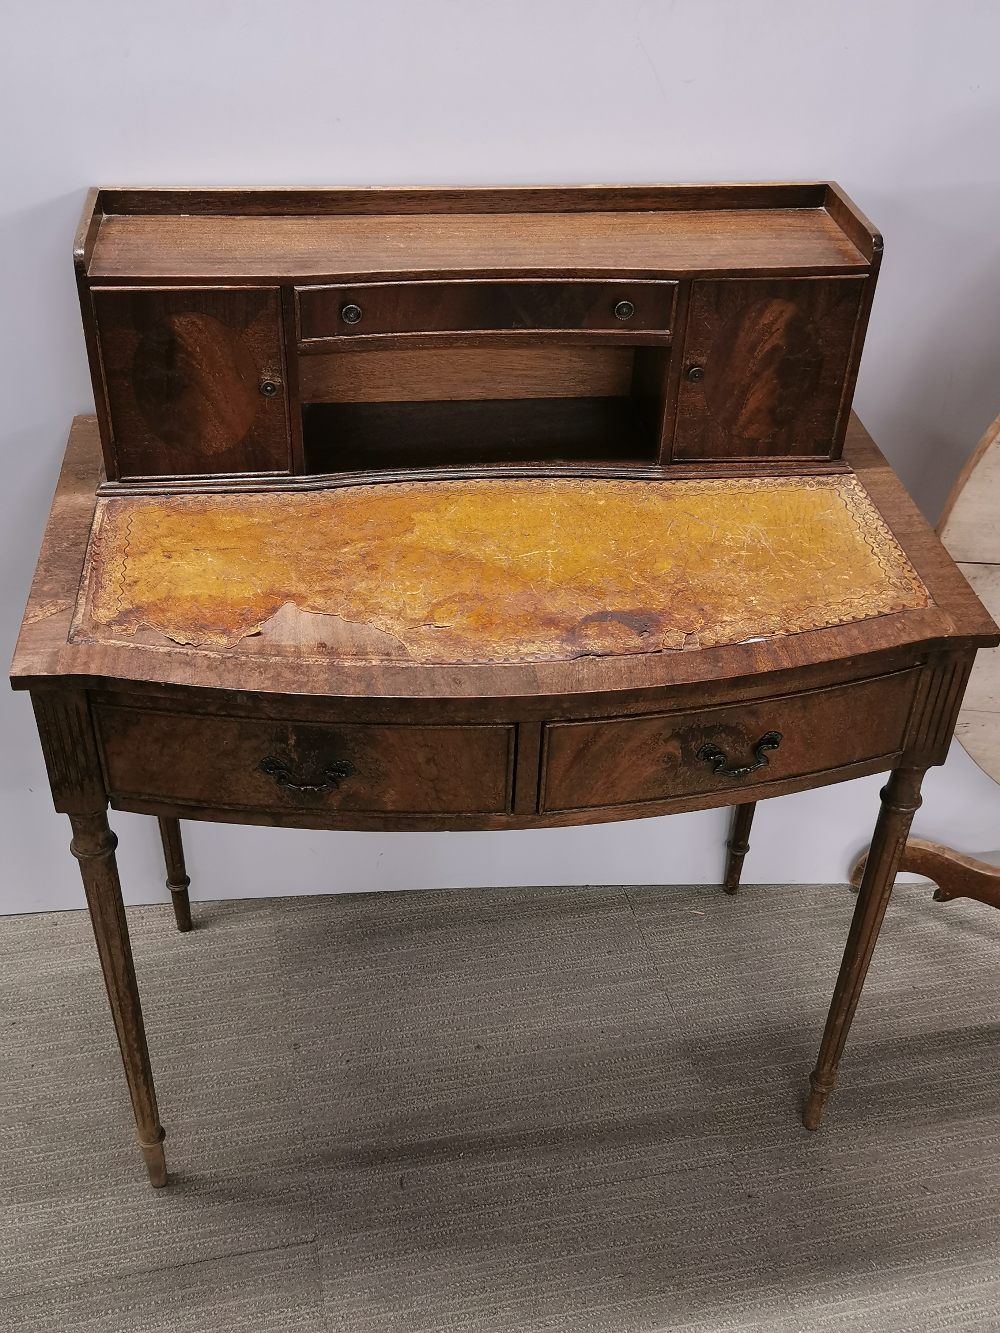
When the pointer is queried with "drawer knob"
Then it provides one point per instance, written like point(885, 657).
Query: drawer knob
point(332, 776)
point(351, 313)
point(720, 760)
point(624, 310)
point(696, 374)
point(269, 388)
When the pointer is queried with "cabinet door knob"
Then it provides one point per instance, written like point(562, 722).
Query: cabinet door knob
point(624, 310)
point(351, 313)
point(269, 388)
point(696, 374)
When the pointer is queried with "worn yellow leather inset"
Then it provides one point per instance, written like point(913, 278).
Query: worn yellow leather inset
point(496, 570)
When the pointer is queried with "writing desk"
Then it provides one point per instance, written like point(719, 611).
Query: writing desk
point(216, 661)
point(480, 509)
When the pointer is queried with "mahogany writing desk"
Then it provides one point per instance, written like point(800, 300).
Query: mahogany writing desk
point(520, 564)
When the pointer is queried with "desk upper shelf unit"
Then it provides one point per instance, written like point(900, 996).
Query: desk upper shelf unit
point(279, 337)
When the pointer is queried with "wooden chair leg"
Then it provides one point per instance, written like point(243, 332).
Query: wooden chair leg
point(94, 846)
point(178, 880)
point(900, 801)
point(955, 874)
point(738, 845)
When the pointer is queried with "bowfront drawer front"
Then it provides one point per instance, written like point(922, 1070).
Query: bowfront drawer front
point(365, 311)
point(629, 761)
point(265, 765)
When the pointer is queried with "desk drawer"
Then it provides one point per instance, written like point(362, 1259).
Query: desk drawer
point(628, 761)
point(261, 764)
point(361, 311)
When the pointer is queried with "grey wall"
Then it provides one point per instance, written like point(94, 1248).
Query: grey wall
point(899, 101)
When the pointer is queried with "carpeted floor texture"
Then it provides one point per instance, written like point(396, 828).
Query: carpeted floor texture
point(533, 1109)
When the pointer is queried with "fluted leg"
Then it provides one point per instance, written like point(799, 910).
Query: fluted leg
point(900, 801)
point(94, 846)
point(178, 880)
point(738, 845)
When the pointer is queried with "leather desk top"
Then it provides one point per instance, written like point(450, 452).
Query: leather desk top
point(466, 571)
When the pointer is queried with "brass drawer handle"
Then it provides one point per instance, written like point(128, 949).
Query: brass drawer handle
point(333, 775)
point(719, 759)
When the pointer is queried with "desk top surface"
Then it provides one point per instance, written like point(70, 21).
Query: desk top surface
point(485, 587)
point(483, 571)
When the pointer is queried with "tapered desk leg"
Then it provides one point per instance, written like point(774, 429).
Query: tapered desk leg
point(738, 845)
point(900, 801)
point(178, 879)
point(94, 846)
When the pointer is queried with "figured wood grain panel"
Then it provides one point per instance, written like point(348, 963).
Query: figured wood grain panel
point(633, 760)
point(495, 571)
point(282, 766)
point(574, 306)
point(466, 373)
point(183, 369)
point(764, 368)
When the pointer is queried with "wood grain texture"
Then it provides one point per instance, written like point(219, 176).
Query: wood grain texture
point(618, 762)
point(289, 766)
point(94, 846)
point(466, 373)
point(682, 244)
point(900, 801)
point(178, 880)
point(738, 845)
point(770, 360)
point(454, 269)
point(183, 371)
point(955, 874)
point(487, 571)
point(338, 200)
point(386, 311)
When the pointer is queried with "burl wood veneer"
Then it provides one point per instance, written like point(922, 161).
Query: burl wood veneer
point(418, 509)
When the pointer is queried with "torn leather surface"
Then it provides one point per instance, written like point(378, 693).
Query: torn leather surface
point(497, 570)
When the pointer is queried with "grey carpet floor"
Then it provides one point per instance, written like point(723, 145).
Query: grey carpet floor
point(559, 1109)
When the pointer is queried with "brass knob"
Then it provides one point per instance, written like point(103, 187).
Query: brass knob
point(624, 310)
point(696, 374)
point(351, 313)
point(269, 388)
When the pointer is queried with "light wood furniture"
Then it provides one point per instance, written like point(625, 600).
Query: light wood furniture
point(969, 527)
point(480, 509)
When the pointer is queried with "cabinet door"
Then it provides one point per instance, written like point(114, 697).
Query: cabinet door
point(194, 379)
point(765, 367)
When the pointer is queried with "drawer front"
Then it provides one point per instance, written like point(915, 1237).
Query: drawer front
point(231, 762)
point(363, 311)
point(628, 761)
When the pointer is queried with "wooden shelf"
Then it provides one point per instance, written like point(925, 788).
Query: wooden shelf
point(279, 249)
point(279, 235)
point(355, 437)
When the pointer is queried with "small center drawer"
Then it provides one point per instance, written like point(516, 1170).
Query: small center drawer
point(361, 311)
point(267, 765)
point(658, 757)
